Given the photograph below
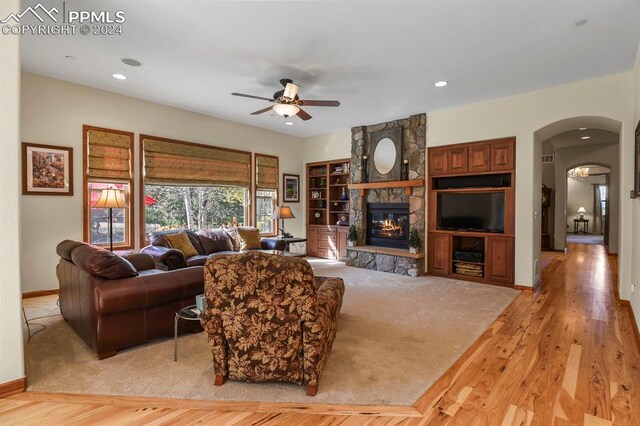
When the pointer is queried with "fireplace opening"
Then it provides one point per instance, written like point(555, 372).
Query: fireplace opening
point(388, 225)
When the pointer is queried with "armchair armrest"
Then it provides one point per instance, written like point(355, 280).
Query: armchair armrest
point(169, 258)
point(318, 335)
point(141, 261)
point(212, 325)
point(273, 244)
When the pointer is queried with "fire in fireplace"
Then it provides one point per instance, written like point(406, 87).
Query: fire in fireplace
point(388, 224)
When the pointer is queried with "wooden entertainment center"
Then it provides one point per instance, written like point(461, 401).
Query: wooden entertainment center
point(327, 210)
point(476, 179)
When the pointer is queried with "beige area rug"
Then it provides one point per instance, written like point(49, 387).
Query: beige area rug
point(396, 336)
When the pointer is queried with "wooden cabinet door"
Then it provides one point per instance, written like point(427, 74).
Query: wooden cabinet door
point(439, 255)
point(341, 241)
point(312, 241)
point(438, 163)
point(457, 160)
point(479, 158)
point(499, 259)
point(502, 156)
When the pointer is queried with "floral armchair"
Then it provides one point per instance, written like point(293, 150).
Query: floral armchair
point(269, 319)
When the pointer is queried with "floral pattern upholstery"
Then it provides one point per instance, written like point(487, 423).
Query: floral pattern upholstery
point(268, 318)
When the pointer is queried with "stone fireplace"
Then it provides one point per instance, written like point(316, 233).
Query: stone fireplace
point(388, 225)
point(383, 216)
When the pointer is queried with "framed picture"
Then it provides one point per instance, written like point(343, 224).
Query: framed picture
point(636, 176)
point(291, 188)
point(47, 169)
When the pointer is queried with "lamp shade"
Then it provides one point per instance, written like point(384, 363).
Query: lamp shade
point(110, 198)
point(283, 212)
point(291, 90)
point(286, 110)
point(581, 210)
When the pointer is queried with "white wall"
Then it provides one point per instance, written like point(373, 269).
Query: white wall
point(635, 204)
point(54, 111)
point(11, 344)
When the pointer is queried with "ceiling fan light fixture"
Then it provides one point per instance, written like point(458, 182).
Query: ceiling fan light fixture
point(291, 91)
point(286, 110)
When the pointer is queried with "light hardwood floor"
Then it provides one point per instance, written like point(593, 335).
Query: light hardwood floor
point(566, 355)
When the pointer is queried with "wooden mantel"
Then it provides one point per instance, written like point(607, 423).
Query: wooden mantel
point(406, 184)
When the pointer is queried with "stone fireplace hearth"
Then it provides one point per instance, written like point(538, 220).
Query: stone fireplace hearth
point(384, 254)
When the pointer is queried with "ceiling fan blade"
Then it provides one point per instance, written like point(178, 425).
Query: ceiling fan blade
point(262, 111)
point(304, 115)
point(253, 97)
point(307, 102)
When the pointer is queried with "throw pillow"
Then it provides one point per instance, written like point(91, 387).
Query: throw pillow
point(102, 263)
point(180, 241)
point(215, 240)
point(235, 240)
point(249, 239)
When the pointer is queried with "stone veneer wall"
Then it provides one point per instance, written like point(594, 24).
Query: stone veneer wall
point(414, 142)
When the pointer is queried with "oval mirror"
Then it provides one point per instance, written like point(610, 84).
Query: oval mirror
point(385, 156)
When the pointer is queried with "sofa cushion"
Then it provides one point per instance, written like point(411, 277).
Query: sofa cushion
point(102, 263)
point(64, 248)
point(249, 238)
point(180, 241)
point(215, 240)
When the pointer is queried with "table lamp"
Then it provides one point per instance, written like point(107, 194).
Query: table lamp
point(581, 212)
point(110, 198)
point(282, 213)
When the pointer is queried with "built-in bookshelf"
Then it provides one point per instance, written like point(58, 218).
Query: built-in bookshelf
point(327, 193)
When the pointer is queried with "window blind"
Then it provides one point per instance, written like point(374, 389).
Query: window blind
point(109, 155)
point(266, 172)
point(174, 162)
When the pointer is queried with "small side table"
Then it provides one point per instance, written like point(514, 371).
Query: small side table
point(187, 315)
point(585, 226)
point(293, 240)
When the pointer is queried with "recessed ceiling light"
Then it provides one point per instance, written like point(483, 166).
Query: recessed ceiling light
point(585, 137)
point(119, 76)
point(289, 123)
point(581, 22)
point(131, 62)
point(441, 83)
point(582, 128)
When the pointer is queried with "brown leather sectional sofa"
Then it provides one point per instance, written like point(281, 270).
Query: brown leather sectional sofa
point(206, 242)
point(114, 302)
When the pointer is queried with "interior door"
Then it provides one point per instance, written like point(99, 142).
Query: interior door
point(606, 216)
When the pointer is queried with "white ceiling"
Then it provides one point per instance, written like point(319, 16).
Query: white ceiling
point(573, 138)
point(380, 59)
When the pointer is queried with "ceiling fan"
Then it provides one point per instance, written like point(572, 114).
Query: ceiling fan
point(287, 102)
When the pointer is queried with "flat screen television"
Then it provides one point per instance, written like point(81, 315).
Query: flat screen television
point(479, 211)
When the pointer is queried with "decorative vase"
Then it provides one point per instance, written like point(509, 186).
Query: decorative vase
point(351, 243)
point(414, 250)
point(344, 195)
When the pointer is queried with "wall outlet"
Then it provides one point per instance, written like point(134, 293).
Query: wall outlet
point(633, 288)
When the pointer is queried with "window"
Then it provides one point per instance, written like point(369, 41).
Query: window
point(195, 186)
point(603, 199)
point(107, 156)
point(99, 218)
point(194, 207)
point(266, 200)
point(266, 181)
